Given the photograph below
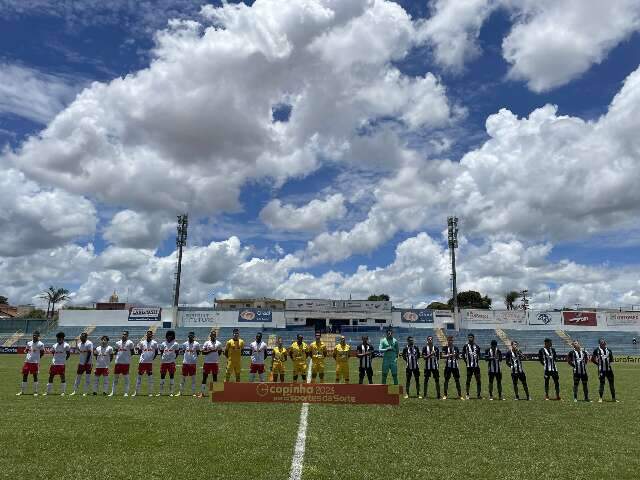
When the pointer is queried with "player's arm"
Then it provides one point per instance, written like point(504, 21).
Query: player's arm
point(594, 357)
point(334, 354)
point(226, 350)
point(570, 359)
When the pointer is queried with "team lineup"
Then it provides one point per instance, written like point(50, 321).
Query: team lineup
point(98, 359)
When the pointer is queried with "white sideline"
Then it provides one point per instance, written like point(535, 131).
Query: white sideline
point(297, 461)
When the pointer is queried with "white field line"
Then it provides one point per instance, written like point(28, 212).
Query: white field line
point(297, 461)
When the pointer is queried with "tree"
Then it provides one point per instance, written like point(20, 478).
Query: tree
point(510, 298)
point(438, 306)
point(4, 300)
point(54, 296)
point(35, 313)
point(471, 299)
point(383, 297)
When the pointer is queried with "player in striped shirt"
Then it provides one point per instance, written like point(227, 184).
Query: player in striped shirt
point(514, 360)
point(547, 357)
point(603, 358)
point(190, 350)
point(411, 356)
point(579, 359)
point(431, 354)
point(471, 356)
point(450, 354)
point(31, 366)
point(61, 353)
point(104, 355)
point(493, 356)
point(212, 349)
point(365, 354)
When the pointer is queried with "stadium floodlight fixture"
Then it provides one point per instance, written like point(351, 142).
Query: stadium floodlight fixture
point(452, 237)
point(181, 242)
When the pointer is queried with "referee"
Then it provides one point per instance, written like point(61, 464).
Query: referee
point(365, 355)
point(411, 355)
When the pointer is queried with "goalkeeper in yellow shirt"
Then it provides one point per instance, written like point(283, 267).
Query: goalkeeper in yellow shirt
point(341, 354)
point(278, 357)
point(233, 352)
point(318, 352)
point(298, 354)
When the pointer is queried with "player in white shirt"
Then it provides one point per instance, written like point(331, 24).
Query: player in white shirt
point(148, 349)
point(104, 357)
point(124, 351)
point(212, 349)
point(61, 352)
point(258, 356)
point(34, 351)
point(169, 350)
point(85, 350)
point(191, 350)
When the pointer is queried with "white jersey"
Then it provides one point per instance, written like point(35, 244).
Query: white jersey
point(211, 350)
point(60, 353)
point(258, 353)
point(34, 351)
point(169, 351)
point(123, 355)
point(103, 356)
point(190, 352)
point(86, 351)
point(147, 350)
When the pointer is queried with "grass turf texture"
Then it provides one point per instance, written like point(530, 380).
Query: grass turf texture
point(71, 437)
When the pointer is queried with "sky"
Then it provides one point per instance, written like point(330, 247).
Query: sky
point(318, 147)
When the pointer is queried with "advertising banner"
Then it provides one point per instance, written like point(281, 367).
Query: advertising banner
point(479, 316)
point(255, 315)
point(305, 393)
point(583, 319)
point(309, 305)
point(544, 318)
point(510, 316)
point(145, 314)
point(366, 306)
point(416, 316)
point(623, 318)
point(200, 318)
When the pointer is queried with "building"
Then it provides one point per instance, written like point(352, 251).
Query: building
point(239, 303)
point(8, 311)
point(325, 314)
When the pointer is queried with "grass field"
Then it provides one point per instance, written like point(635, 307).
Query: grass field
point(145, 438)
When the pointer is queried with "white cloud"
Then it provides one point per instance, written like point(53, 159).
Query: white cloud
point(134, 230)
point(311, 217)
point(34, 95)
point(188, 132)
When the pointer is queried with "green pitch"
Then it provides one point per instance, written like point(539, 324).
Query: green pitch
point(147, 438)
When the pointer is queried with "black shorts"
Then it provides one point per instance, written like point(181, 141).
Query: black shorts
point(496, 375)
point(455, 372)
point(473, 371)
point(608, 374)
point(435, 373)
point(553, 375)
point(577, 377)
point(518, 376)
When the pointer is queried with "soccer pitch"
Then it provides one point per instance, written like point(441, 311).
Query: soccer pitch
point(142, 437)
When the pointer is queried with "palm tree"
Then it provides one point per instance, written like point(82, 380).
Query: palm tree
point(54, 296)
point(510, 298)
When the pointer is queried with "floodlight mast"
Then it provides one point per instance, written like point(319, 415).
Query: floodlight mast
point(181, 242)
point(452, 228)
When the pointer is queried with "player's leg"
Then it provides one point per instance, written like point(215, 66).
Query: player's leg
point(105, 383)
point(385, 372)
point(499, 384)
point(172, 380)
point(585, 387)
point(436, 379)
point(456, 377)
point(163, 374)
point(447, 377)
point(514, 381)
point(407, 389)
point(425, 382)
point(468, 382)
point(612, 388)
point(149, 382)
point(556, 382)
point(361, 372)
point(394, 372)
point(523, 379)
point(50, 382)
point(546, 386)
point(96, 381)
point(345, 372)
point(416, 376)
point(114, 384)
point(370, 375)
point(25, 379)
point(63, 384)
point(236, 368)
point(476, 373)
point(87, 380)
point(491, 378)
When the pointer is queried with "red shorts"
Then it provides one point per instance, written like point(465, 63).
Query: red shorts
point(30, 368)
point(121, 369)
point(102, 372)
point(256, 368)
point(56, 370)
point(188, 369)
point(167, 367)
point(86, 368)
point(210, 368)
point(145, 368)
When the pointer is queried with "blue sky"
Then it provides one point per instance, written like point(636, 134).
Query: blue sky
point(339, 244)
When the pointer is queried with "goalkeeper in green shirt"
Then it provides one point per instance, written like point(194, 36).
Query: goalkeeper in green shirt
point(390, 350)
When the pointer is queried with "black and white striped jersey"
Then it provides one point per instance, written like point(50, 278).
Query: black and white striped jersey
point(494, 358)
point(604, 359)
point(514, 360)
point(411, 354)
point(578, 359)
point(451, 362)
point(548, 357)
point(471, 355)
point(365, 361)
point(431, 362)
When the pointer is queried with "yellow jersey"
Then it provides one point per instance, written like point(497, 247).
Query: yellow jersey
point(318, 352)
point(233, 350)
point(341, 353)
point(297, 352)
point(279, 354)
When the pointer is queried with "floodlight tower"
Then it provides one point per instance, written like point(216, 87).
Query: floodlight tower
point(181, 242)
point(525, 300)
point(452, 224)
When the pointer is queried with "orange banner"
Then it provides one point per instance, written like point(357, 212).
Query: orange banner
point(306, 393)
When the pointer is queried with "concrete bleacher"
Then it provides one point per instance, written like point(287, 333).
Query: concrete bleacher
point(530, 341)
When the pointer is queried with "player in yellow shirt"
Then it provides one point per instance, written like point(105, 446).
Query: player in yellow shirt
point(233, 352)
point(298, 354)
point(341, 354)
point(318, 352)
point(278, 357)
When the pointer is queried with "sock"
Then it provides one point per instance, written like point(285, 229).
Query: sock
point(23, 386)
point(138, 383)
point(35, 387)
point(193, 384)
point(105, 384)
point(95, 384)
point(76, 383)
point(203, 387)
point(115, 384)
point(64, 387)
point(261, 377)
point(49, 386)
point(171, 383)
point(87, 382)
point(126, 384)
point(181, 385)
point(161, 385)
point(150, 384)
point(252, 377)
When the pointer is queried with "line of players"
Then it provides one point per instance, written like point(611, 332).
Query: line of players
point(298, 352)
